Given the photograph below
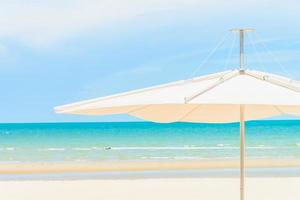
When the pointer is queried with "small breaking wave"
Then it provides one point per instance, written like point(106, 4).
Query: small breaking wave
point(261, 147)
point(90, 148)
point(52, 149)
point(172, 158)
point(171, 148)
point(82, 149)
point(223, 145)
point(218, 147)
point(7, 149)
point(157, 148)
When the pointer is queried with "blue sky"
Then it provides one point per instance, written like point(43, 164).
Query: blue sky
point(57, 52)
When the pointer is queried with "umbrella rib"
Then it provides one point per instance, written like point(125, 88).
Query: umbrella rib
point(189, 112)
point(273, 81)
point(73, 106)
point(138, 109)
point(212, 86)
point(279, 110)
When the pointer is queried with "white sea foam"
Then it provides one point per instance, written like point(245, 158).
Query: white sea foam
point(172, 158)
point(98, 148)
point(172, 148)
point(10, 148)
point(218, 147)
point(90, 148)
point(177, 158)
point(157, 157)
point(82, 149)
point(261, 147)
point(188, 158)
point(156, 148)
point(7, 149)
point(223, 145)
point(52, 149)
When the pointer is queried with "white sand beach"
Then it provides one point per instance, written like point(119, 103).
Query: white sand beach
point(150, 189)
point(208, 186)
point(62, 167)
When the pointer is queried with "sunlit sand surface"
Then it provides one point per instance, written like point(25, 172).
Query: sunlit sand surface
point(150, 189)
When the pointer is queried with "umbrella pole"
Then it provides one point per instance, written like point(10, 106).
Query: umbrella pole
point(242, 151)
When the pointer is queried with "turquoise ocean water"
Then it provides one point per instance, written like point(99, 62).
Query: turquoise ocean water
point(134, 141)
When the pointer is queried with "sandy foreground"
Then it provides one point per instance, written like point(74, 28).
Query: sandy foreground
point(150, 189)
point(29, 168)
point(146, 188)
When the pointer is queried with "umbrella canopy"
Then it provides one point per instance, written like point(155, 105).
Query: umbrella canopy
point(229, 96)
point(212, 98)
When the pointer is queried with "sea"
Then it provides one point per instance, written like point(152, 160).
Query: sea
point(145, 141)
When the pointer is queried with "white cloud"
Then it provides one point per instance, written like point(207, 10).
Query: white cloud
point(41, 23)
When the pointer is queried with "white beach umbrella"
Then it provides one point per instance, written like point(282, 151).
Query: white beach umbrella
point(229, 96)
